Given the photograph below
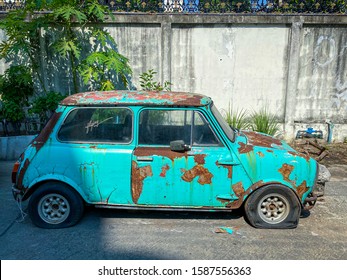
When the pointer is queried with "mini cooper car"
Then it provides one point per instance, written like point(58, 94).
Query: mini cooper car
point(158, 150)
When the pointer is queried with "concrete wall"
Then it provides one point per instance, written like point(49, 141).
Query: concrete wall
point(293, 65)
point(12, 147)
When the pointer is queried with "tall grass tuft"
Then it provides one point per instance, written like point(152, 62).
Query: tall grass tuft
point(238, 119)
point(265, 122)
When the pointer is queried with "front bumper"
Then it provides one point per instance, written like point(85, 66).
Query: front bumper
point(310, 201)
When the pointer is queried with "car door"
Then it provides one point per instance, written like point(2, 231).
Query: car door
point(179, 161)
point(95, 152)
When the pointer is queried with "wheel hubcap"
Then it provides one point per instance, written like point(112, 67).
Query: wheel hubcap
point(53, 208)
point(273, 208)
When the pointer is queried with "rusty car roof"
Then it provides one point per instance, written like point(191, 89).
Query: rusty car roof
point(122, 97)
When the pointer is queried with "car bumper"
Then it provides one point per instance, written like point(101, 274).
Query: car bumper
point(310, 201)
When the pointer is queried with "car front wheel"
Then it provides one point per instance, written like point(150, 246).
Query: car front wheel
point(273, 206)
point(55, 205)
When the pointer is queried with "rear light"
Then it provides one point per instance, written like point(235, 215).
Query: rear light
point(15, 171)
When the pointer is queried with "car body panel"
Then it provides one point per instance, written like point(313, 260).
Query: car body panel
point(131, 174)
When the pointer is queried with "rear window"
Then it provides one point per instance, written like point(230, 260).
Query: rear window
point(97, 125)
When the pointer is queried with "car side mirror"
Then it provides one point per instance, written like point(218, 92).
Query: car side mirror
point(179, 146)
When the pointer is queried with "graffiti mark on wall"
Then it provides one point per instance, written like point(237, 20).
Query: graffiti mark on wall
point(325, 54)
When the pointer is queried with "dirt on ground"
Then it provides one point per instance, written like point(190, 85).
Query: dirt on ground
point(324, 153)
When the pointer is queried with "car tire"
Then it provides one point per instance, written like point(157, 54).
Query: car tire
point(273, 206)
point(55, 205)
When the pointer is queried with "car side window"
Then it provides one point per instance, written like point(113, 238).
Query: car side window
point(100, 125)
point(160, 127)
point(203, 134)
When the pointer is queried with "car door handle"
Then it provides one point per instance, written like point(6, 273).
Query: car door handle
point(144, 158)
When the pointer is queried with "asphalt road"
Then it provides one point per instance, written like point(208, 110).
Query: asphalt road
point(113, 234)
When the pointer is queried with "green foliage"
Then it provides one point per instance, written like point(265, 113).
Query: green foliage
point(72, 34)
point(237, 119)
point(265, 122)
point(147, 82)
point(45, 105)
point(16, 86)
point(102, 69)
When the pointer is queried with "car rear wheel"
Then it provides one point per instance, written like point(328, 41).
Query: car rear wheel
point(273, 206)
point(55, 205)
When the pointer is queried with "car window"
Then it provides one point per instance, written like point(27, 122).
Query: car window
point(160, 127)
point(203, 134)
point(97, 125)
point(224, 125)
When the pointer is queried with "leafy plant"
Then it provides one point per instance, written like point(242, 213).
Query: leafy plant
point(265, 122)
point(147, 82)
point(102, 69)
point(16, 87)
point(72, 33)
point(44, 106)
point(238, 119)
point(22, 42)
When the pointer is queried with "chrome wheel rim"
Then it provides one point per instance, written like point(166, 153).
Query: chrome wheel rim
point(273, 208)
point(53, 208)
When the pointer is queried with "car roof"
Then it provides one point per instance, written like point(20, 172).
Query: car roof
point(123, 97)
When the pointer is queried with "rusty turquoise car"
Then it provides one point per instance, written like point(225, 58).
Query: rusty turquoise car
point(158, 150)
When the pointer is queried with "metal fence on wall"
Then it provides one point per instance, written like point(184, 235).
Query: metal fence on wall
point(213, 6)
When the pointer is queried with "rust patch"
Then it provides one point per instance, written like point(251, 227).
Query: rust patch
point(260, 154)
point(138, 175)
point(238, 189)
point(164, 169)
point(245, 148)
point(199, 159)
point(164, 152)
point(224, 201)
point(286, 170)
point(257, 139)
point(205, 177)
point(237, 203)
point(21, 174)
point(137, 97)
point(270, 151)
point(302, 188)
point(42, 138)
point(228, 167)
point(297, 154)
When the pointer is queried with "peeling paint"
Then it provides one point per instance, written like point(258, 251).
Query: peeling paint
point(260, 154)
point(244, 148)
point(286, 170)
point(164, 169)
point(302, 189)
point(297, 154)
point(237, 203)
point(42, 138)
point(258, 139)
point(137, 98)
point(22, 173)
point(205, 177)
point(238, 189)
point(164, 152)
point(138, 175)
point(199, 158)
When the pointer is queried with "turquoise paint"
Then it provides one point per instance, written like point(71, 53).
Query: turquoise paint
point(102, 172)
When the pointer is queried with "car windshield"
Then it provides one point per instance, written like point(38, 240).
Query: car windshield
point(224, 125)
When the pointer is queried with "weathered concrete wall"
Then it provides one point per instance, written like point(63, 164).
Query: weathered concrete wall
point(293, 65)
point(12, 147)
